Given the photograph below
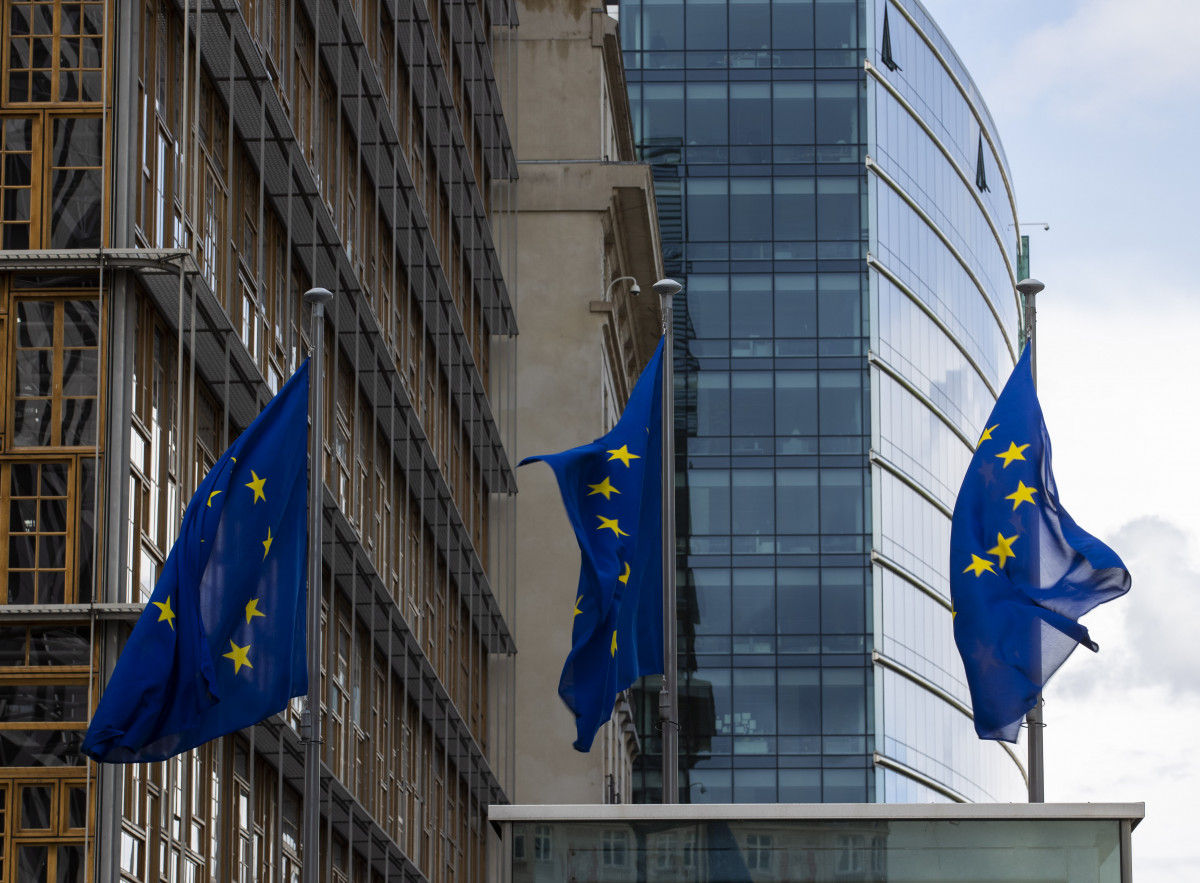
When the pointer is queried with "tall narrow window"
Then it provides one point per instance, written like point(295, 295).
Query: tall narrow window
point(885, 46)
point(16, 182)
point(37, 516)
point(56, 372)
point(980, 168)
point(56, 51)
point(76, 182)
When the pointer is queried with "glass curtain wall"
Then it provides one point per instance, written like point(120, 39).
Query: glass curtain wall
point(753, 114)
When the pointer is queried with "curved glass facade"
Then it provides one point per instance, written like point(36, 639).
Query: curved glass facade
point(846, 320)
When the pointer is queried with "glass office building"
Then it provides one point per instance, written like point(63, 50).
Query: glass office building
point(835, 199)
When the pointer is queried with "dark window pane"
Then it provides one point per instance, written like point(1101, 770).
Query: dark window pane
point(22, 516)
point(80, 372)
point(712, 601)
point(18, 21)
point(41, 86)
point(799, 701)
point(52, 587)
point(33, 862)
point(798, 600)
point(749, 113)
point(708, 498)
point(663, 112)
point(79, 422)
point(22, 552)
point(16, 205)
point(81, 323)
point(84, 534)
point(70, 18)
point(793, 116)
point(754, 701)
point(12, 645)
point(750, 302)
point(754, 612)
point(842, 601)
point(707, 112)
point(839, 305)
point(841, 501)
point(845, 786)
point(796, 504)
point(749, 24)
point(752, 402)
point(35, 324)
point(76, 809)
point(750, 209)
point(841, 403)
point(17, 173)
point(58, 646)
point(52, 550)
point(35, 807)
point(795, 306)
point(708, 209)
point(708, 306)
point(712, 402)
point(43, 49)
point(54, 479)
point(753, 500)
point(24, 479)
point(77, 142)
point(16, 236)
point(837, 113)
point(18, 83)
point(800, 786)
point(795, 209)
point(663, 24)
point(843, 701)
point(837, 208)
point(706, 24)
point(54, 515)
point(33, 372)
point(70, 862)
point(76, 208)
point(21, 587)
point(796, 403)
point(91, 83)
point(792, 24)
point(41, 747)
point(836, 24)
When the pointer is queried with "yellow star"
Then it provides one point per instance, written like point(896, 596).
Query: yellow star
point(239, 656)
point(614, 643)
point(1021, 495)
point(625, 576)
point(1003, 548)
point(267, 543)
point(611, 524)
point(622, 454)
point(167, 613)
point(979, 565)
point(252, 610)
point(257, 486)
point(1014, 452)
point(605, 487)
point(953, 614)
point(577, 603)
point(987, 434)
point(210, 496)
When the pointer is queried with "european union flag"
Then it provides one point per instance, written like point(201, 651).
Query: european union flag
point(220, 646)
point(612, 490)
point(1022, 571)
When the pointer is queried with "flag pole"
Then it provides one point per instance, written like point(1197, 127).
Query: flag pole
point(310, 721)
point(1029, 288)
point(668, 706)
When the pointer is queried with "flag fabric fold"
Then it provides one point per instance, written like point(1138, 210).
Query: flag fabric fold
point(612, 491)
point(221, 643)
point(1022, 571)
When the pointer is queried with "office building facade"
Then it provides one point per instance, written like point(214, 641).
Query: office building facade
point(174, 177)
point(834, 196)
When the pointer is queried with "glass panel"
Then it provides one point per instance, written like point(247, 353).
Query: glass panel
point(12, 645)
point(31, 422)
point(81, 323)
point(706, 27)
point(795, 306)
point(35, 324)
point(796, 503)
point(33, 372)
point(841, 501)
point(799, 786)
point(798, 600)
point(752, 405)
point(795, 208)
point(712, 402)
point(793, 116)
point(79, 421)
point(35, 806)
point(749, 112)
point(708, 499)
point(707, 110)
point(792, 24)
point(708, 306)
point(22, 587)
point(712, 601)
point(708, 209)
point(843, 601)
point(839, 305)
point(32, 862)
point(22, 552)
point(750, 213)
point(58, 646)
point(754, 613)
point(841, 403)
point(796, 403)
point(799, 701)
point(70, 863)
point(753, 498)
point(843, 701)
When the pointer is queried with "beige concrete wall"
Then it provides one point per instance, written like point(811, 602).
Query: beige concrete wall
point(582, 222)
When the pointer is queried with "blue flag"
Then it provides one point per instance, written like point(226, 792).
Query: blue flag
point(220, 646)
point(1022, 571)
point(612, 490)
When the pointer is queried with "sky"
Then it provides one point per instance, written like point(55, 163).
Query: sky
point(1097, 106)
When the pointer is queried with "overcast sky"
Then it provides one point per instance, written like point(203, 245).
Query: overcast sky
point(1097, 107)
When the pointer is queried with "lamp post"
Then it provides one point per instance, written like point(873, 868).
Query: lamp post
point(1029, 289)
point(668, 705)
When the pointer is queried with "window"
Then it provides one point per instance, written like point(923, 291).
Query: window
point(885, 45)
point(543, 843)
point(16, 182)
point(615, 849)
point(44, 711)
point(758, 852)
point(55, 51)
point(57, 373)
